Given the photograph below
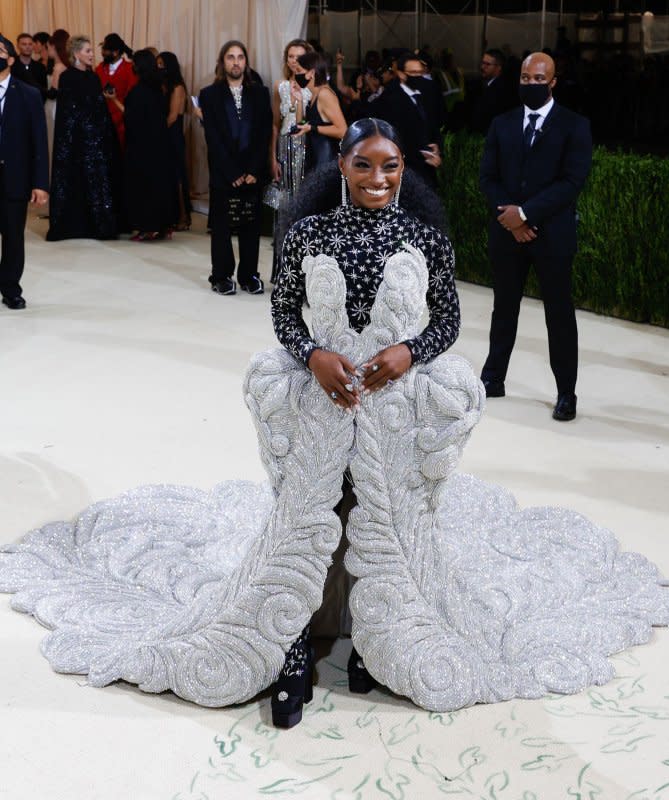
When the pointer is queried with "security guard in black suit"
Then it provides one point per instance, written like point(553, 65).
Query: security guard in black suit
point(24, 170)
point(535, 163)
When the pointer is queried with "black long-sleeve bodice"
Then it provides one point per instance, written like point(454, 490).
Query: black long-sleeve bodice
point(361, 240)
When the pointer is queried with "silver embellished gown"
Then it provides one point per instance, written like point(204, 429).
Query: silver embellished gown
point(461, 596)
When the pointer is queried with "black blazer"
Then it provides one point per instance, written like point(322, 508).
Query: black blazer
point(23, 143)
point(236, 146)
point(494, 99)
point(415, 130)
point(545, 179)
point(34, 74)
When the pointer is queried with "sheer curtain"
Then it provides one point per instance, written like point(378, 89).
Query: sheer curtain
point(193, 29)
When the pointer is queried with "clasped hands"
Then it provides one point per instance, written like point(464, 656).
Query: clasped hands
point(340, 378)
point(244, 179)
point(511, 220)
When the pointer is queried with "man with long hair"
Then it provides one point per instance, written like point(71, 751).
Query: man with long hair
point(237, 121)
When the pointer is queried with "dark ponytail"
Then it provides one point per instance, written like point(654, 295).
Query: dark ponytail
point(320, 191)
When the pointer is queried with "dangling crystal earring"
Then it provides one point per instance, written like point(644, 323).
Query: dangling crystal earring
point(344, 198)
point(396, 199)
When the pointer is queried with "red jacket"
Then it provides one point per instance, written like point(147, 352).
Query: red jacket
point(123, 81)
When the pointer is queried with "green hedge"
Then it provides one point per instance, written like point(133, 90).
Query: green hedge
point(622, 266)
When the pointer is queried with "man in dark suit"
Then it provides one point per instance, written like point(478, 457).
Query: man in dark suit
point(24, 170)
point(411, 105)
point(534, 165)
point(497, 96)
point(26, 69)
point(237, 119)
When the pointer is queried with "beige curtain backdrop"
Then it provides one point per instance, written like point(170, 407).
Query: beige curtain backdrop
point(193, 29)
point(11, 18)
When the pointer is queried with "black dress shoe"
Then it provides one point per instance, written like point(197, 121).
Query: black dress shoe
point(494, 388)
point(359, 680)
point(565, 408)
point(14, 303)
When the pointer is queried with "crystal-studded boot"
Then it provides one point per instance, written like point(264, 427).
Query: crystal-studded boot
point(294, 686)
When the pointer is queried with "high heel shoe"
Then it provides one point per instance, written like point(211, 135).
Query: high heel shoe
point(359, 680)
point(289, 695)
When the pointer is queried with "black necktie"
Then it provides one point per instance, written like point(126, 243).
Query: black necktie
point(530, 130)
point(3, 91)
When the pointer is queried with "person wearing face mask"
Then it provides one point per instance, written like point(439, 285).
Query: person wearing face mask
point(324, 124)
point(535, 163)
point(407, 103)
point(83, 182)
point(116, 73)
point(24, 170)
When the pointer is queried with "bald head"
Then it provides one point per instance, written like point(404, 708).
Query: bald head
point(537, 68)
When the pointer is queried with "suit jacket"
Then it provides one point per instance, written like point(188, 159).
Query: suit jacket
point(545, 179)
point(34, 74)
point(495, 99)
point(23, 142)
point(416, 130)
point(236, 146)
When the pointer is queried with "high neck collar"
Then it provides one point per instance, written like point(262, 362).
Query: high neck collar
point(360, 213)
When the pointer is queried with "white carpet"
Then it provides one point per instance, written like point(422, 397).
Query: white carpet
point(125, 370)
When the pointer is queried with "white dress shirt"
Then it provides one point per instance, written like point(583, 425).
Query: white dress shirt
point(538, 125)
point(4, 85)
point(113, 67)
point(542, 112)
point(410, 92)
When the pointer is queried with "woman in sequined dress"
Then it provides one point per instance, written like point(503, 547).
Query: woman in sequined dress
point(461, 597)
point(372, 223)
point(287, 152)
point(82, 205)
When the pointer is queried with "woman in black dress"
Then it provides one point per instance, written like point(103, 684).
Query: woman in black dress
point(149, 186)
point(324, 124)
point(82, 203)
point(177, 96)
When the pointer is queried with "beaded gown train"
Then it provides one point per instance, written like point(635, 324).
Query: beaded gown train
point(461, 597)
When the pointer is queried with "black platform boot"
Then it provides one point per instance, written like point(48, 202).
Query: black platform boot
point(294, 686)
point(359, 680)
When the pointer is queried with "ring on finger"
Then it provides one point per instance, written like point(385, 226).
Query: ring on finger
point(334, 395)
point(375, 368)
point(348, 387)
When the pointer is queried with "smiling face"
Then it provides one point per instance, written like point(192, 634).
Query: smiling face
point(373, 170)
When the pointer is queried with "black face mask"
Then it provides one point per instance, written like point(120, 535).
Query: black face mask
point(109, 58)
point(534, 95)
point(301, 80)
point(3, 64)
point(415, 82)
